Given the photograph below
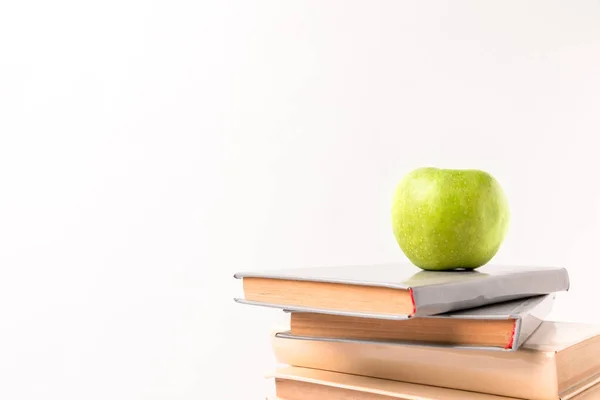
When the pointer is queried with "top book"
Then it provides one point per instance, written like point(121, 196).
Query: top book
point(395, 291)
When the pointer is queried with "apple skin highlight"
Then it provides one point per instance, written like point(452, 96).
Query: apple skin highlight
point(446, 219)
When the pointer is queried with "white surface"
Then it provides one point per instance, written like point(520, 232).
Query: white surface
point(149, 150)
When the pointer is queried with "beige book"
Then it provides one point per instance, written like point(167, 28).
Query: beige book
point(294, 383)
point(592, 393)
point(559, 361)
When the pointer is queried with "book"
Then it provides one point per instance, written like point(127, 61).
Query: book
point(558, 361)
point(593, 393)
point(500, 326)
point(395, 291)
point(295, 383)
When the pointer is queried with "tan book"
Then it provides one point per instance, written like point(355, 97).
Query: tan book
point(558, 361)
point(294, 383)
point(500, 326)
point(593, 393)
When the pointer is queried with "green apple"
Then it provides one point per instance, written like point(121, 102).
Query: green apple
point(446, 219)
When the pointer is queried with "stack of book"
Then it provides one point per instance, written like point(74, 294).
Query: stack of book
point(388, 332)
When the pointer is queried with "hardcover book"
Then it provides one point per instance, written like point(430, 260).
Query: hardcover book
point(500, 326)
point(558, 361)
point(293, 383)
point(395, 291)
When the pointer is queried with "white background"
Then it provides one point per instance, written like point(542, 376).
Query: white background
point(149, 150)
